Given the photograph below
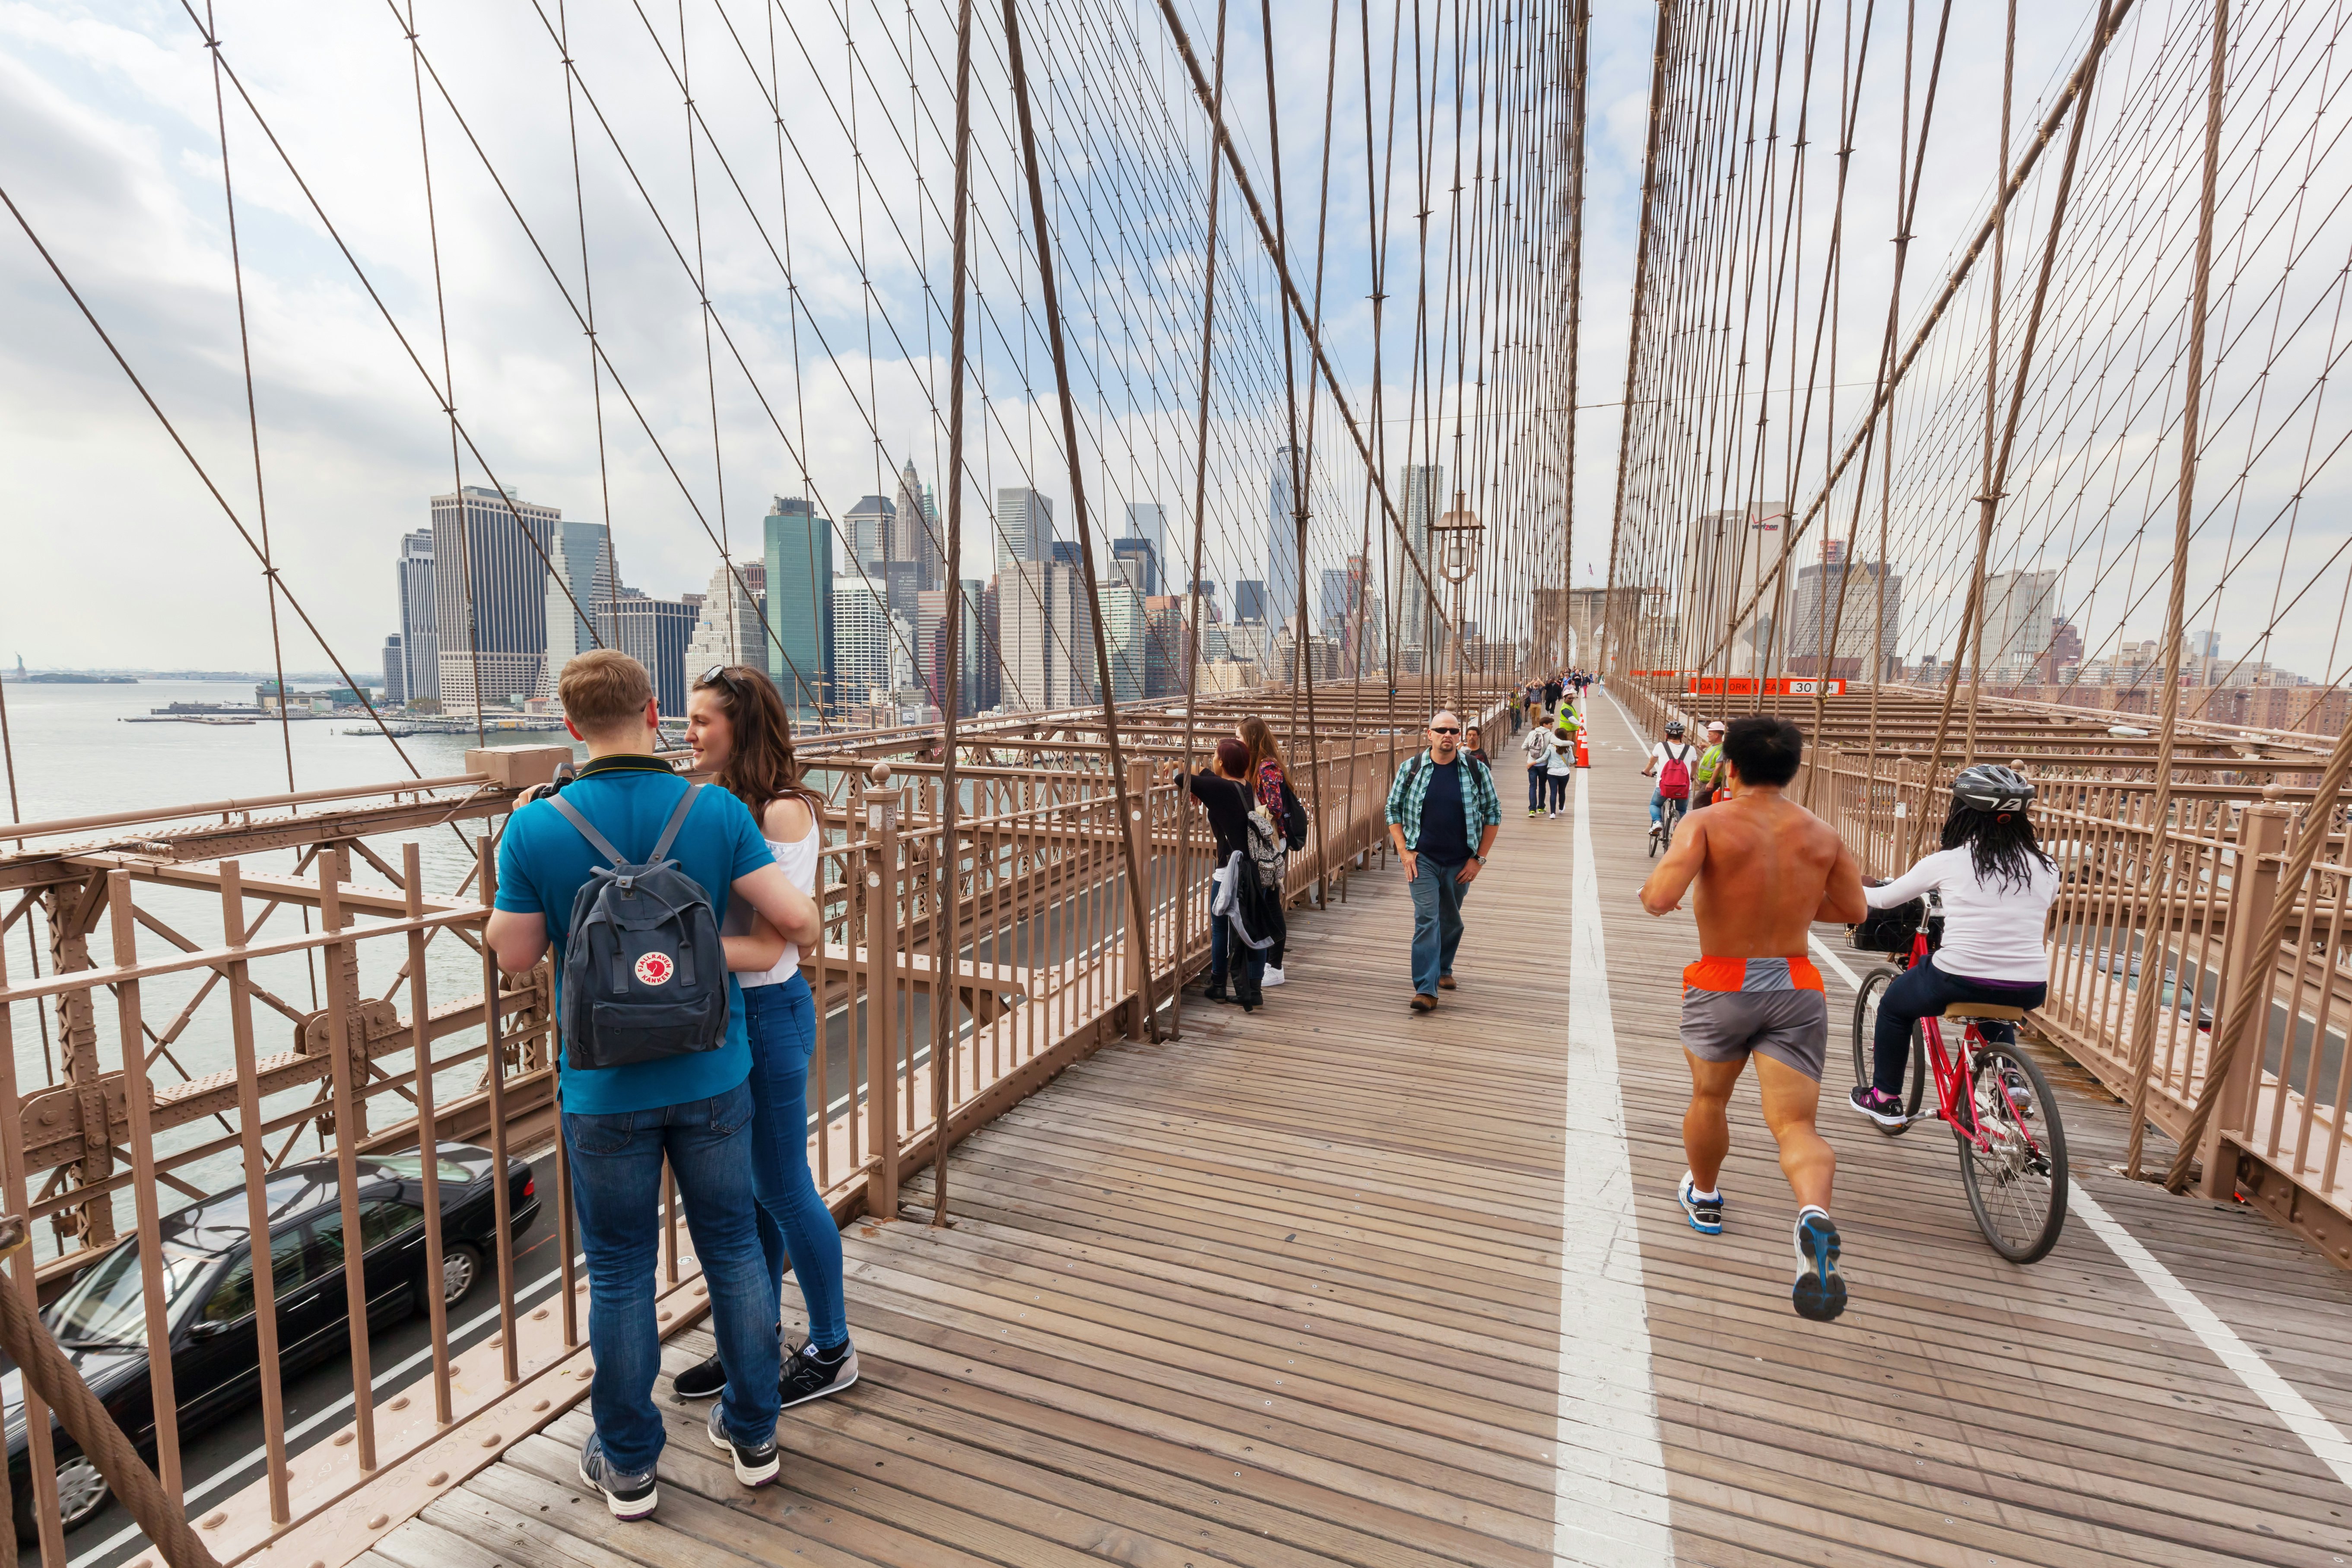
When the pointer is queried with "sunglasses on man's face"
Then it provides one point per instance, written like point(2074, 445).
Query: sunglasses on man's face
point(1443, 729)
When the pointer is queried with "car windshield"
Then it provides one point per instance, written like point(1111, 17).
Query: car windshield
point(107, 1306)
point(413, 1167)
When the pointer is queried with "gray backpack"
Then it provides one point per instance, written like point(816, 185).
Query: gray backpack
point(645, 974)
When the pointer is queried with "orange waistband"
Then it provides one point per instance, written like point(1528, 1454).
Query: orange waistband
point(1794, 973)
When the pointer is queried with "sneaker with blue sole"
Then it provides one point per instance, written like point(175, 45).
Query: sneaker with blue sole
point(1820, 1290)
point(1706, 1214)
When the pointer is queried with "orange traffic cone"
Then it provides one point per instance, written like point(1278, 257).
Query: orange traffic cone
point(1583, 753)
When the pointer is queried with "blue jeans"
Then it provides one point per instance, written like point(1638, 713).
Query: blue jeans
point(1436, 922)
point(1658, 808)
point(1535, 787)
point(1922, 991)
point(792, 1219)
point(616, 1170)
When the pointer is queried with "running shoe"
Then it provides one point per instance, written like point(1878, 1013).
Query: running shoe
point(1820, 1290)
point(1880, 1107)
point(811, 1374)
point(756, 1464)
point(1705, 1214)
point(700, 1380)
point(1273, 976)
point(629, 1494)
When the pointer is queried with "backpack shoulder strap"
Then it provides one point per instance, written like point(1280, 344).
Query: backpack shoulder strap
point(677, 821)
point(596, 841)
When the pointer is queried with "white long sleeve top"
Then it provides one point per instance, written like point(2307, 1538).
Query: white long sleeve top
point(1991, 931)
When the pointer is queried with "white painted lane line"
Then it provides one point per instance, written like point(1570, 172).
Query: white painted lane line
point(1607, 1400)
point(2325, 1440)
point(1853, 981)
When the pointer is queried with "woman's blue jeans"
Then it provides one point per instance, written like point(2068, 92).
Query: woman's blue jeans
point(792, 1219)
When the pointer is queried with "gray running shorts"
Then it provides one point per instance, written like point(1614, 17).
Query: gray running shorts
point(1790, 1026)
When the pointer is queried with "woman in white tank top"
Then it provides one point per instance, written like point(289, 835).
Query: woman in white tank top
point(740, 733)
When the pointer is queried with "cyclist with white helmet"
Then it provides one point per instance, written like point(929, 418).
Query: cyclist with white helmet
point(1997, 887)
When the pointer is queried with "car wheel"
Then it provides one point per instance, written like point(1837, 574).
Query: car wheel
point(82, 1496)
point(461, 1271)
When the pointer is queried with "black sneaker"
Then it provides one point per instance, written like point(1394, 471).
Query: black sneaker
point(629, 1494)
point(756, 1464)
point(1820, 1290)
point(703, 1379)
point(809, 1374)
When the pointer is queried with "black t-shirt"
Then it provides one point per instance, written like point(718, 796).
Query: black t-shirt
point(1228, 804)
point(1445, 824)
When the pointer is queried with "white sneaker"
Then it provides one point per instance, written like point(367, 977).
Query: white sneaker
point(1273, 976)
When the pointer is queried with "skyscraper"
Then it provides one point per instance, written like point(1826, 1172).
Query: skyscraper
point(1282, 582)
point(489, 596)
point(868, 525)
point(395, 673)
point(916, 534)
point(1025, 526)
point(869, 644)
point(1123, 635)
point(582, 577)
point(2020, 610)
point(730, 630)
point(655, 633)
point(420, 632)
point(1415, 599)
point(1335, 603)
point(799, 561)
point(1070, 669)
point(1249, 601)
point(1131, 558)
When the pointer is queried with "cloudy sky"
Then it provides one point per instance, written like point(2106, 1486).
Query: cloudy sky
point(808, 207)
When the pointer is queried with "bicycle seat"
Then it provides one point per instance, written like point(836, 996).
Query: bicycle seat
point(1988, 1011)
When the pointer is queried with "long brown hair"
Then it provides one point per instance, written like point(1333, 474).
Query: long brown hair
point(760, 768)
point(1259, 737)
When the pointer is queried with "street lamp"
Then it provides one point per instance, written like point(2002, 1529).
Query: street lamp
point(1456, 544)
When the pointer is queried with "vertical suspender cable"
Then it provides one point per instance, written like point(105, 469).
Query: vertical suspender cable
point(1129, 825)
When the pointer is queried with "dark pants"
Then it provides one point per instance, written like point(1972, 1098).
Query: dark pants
point(1558, 783)
point(1923, 991)
point(1225, 948)
point(794, 1224)
point(1535, 787)
point(616, 1166)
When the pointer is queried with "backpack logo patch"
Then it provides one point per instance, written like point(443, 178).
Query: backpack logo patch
point(655, 968)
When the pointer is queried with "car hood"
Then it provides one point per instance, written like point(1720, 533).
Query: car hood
point(104, 1368)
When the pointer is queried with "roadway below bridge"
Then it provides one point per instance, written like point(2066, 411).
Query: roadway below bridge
point(1332, 1282)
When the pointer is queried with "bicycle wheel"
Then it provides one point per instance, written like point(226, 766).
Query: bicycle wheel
point(1865, 1031)
point(2017, 1183)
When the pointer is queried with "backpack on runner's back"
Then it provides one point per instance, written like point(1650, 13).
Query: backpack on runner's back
point(645, 973)
point(1674, 777)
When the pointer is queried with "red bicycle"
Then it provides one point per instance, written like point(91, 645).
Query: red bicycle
point(2012, 1145)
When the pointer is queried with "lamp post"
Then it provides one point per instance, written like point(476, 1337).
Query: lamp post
point(1456, 549)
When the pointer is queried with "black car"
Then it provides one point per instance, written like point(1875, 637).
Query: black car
point(101, 1321)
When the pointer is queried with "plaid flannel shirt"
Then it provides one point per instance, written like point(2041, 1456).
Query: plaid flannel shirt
point(1481, 808)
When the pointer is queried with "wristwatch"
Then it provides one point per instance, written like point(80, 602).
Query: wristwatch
point(1475, 856)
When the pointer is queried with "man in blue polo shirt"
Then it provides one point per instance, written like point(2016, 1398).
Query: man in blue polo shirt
point(619, 1123)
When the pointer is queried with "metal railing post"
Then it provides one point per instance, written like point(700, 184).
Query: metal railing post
point(2254, 891)
point(881, 1003)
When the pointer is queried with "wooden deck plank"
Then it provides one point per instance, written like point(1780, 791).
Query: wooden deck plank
point(1288, 1290)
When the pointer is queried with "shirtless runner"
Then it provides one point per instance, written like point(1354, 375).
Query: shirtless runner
point(1766, 868)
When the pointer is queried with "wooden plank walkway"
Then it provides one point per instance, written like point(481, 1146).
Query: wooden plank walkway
point(1305, 1287)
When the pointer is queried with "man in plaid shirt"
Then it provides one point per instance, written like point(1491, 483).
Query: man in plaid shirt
point(1442, 801)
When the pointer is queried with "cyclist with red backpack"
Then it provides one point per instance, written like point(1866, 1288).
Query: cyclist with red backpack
point(1671, 760)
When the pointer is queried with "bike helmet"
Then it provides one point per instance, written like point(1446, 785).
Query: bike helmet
point(1673, 729)
point(1989, 786)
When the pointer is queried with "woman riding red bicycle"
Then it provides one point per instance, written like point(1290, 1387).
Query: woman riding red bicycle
point(1996, 886)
